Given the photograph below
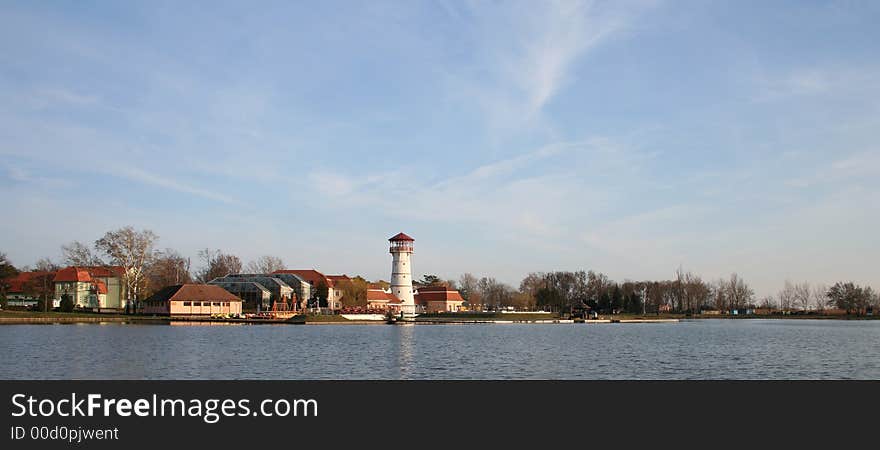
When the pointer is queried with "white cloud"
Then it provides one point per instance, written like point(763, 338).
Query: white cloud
point(526, 54)
point(805, 82)
point(859, 164)
point(135, 174)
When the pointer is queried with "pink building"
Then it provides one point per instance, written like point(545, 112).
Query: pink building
point(191, 300)
point(433, 299)
point(379, 299)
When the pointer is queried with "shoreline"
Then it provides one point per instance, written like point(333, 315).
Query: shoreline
point(23, 318)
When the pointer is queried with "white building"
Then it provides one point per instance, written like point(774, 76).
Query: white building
point(401, 273)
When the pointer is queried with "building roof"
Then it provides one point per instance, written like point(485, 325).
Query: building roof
point(437, 294)
point(310, 275)
point(85, 274)
point(267, 281)
point(18, 282)
point(336, 278)
point(193, 292)
point(239, 284)
point(73, 274)
point(401, 237)
point(379, 295)
point(106, 271)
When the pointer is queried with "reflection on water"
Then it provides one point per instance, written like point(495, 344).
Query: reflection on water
point(704, 349)
point(402, 342)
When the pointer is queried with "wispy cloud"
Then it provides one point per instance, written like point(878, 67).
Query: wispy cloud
point(135, 174)
point(59, 96)
point(818, 81)
point(526, 54)
point(536, 196)
point(865, 163)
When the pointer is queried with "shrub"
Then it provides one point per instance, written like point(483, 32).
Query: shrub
point(67, 303)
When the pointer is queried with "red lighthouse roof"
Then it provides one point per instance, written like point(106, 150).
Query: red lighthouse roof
point(401, 237)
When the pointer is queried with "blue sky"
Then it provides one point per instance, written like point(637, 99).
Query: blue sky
point(628, 137)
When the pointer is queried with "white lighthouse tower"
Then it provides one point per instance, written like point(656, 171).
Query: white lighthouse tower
point(401, 273)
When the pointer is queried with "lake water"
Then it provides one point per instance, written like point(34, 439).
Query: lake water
point(699, 349)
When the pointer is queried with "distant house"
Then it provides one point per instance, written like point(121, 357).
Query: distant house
point(91, 287)
point(315, 278)
point(254, 296)
point(281, 293)
point(23, 288)
point(381, 299)
point(191, 300)
point(301, 287)
point(434, 299)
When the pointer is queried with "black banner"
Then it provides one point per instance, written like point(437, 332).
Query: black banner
point(232, 414)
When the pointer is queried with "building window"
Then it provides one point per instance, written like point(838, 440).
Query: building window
point(216, 303)
point(187, 303)
point(197, 303)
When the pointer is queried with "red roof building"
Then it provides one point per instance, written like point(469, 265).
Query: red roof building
point(73, 274)
point(337, 278)
point(29, 286)
point(315, 278)
point(311, 275)
point(379, 299)
point(438, 299)
point(92, 286)
point(192, 299)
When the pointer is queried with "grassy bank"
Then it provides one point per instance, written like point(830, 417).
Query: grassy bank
point(55, 314)
point(785, 317)
point(471, 315)
point(325, 318)
point(37, 317)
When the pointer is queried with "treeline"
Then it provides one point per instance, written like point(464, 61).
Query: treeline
point(686, 293)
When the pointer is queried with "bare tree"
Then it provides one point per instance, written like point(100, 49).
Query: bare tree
point(490, 292)
point(265, 264)
point(468, 287)
point(719, 295)
point(678, 293)
point(530, 285)
point(168, 268)
point(695, 292)
point(217, 264)
point(787, 296)
point(597, 284)
point(802, 295)
point(820, 297)
point(7, 271)
point(78, 254)
point(132, 250)
point(739, 293)
point(768, 302)
point(42, 284)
